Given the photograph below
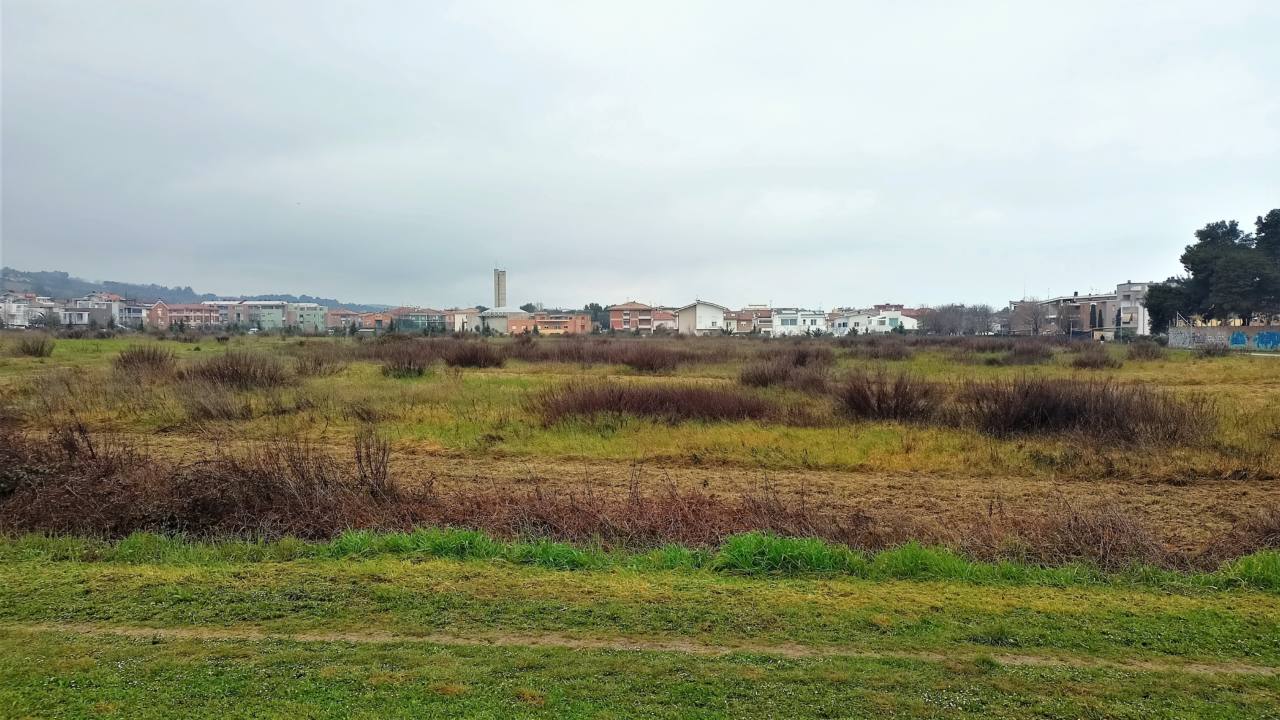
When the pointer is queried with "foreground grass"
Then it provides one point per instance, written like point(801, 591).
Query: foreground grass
point(453, 624)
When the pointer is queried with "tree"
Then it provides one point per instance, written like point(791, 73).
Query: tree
point(1028, 317)
point(529, 307)
point(1164, 301)
point(599, 316)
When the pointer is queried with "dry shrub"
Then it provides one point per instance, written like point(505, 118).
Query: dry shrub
point(644, 355)
point(39, 346)
point(1094, 357)
point(810, 378)
point(880, 395)
point(239, 369)
point(205, 401)
point(147, 360)
point(320, 359)
point(1146, 350)
point(800, 354)
point(880, 349)
point(1027, 352)
point(667, 403)
point(1101, 408)
point(470, 353)
point(406, 359)
point(1212, 351)
point(1258, 530)
point(1099, 533)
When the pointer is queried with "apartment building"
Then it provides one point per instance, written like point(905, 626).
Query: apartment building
point(462, 319)
point(15, 309)
point(756, 319)
point(798, 321)
point(701, 318)
point(1102, 315)
point(631, 316)
point(551, 322)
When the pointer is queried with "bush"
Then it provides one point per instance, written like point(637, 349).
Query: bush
point(1212, 351)
point(1094, 357)
point(36, 346)
point(880, 395)
point(667, 403)
point(205, 401)
point(319, 359)
point(765, 373)
point(1102, 408)
point(470, 353)
point(151, 359)
point(1027, 352)
point(239, 369)
point(1146, 350)
point(879, 349)
point(406, 359)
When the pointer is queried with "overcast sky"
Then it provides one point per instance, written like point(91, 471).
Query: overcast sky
point(794, 153)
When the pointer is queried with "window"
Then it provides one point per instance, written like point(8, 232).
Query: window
point(788, 321)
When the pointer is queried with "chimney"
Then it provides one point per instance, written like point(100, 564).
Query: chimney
point(499, 288)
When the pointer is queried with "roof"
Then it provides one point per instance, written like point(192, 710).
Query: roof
point(630, 305)
point(702, 302)
point(504, 311)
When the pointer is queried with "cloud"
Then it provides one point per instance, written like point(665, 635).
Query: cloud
point(834, 152)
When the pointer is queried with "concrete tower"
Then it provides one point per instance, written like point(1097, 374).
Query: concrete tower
point(499, 288)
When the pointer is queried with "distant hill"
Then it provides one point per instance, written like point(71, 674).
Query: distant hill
point(61, 285)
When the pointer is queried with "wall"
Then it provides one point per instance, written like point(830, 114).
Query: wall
point(1265, 339)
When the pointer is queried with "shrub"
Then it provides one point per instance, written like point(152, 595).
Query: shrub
point(150, 359)
point(239, 369)
point(1102, 408)
point(1212, 351)
point(765, 373)
point(204, 401)
point(406, 359)
point(319, 359)
point(803, 354)
point(1027, 352)
point(35, 346)
point(470, 353)
point(667, 403)
point(880, 395)
point(1094, 357)
point(880, 350)
point(1146, 350)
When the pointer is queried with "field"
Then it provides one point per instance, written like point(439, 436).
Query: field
point(613, 527)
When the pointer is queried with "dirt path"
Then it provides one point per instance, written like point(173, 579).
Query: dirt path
point(692, 647)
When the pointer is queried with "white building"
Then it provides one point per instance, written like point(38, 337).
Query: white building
point(872, 321)
point(798, 321)
point(496, 320)
point(15, 310)
point(700, 318)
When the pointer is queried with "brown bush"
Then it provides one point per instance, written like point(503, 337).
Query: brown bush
point(879, 395)
point(470, 353)
point(1027, 352)
point(205, 401)
point(35, 346)
point(1212, 351)
point(1094, 357)
point(320, 359)
point(1102, 408)
point(239, 369)
point(667, 403)
point(810, 378)
point(881, 349)
point(1146, 350)
point(644, 355)
point(151, 359)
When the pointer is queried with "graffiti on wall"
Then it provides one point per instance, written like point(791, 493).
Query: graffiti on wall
point(1265, 339)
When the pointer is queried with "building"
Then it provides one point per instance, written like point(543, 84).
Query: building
point(879, 319)
point(462, 319)
point(1102, 316)
point(198, 315)
point(701, 318)
point(15, 309)
point(339, 320)
point(419, 320)
point(798, 321)
point(498, 319)
point(631, 316)
point(551, 322)
point(306, 317)
point(499, 288)
point(663, 319)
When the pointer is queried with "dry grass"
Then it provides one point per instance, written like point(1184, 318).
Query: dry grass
point(671, 403)
point(880, 395)
point(39, 346)
point(151, 360)
point(239, 369)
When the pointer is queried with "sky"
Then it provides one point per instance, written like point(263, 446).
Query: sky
point(798, 154)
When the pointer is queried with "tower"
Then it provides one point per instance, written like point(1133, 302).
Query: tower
point(499, 288)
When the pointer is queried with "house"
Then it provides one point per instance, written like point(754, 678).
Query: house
point(701, 318)
point(551, 322)
point(462, 319)
point(1102, 316)
point(497, 320)
point(631, 316)
point(663, 319)
point(15, 309)
point(873, 320)
point(798, 321)
point(419, 320)
point(337, 320)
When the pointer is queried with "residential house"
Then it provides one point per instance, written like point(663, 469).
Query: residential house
point(419, 320)
point(462, 319)
point(798, 321)
point(701, 318)
point(337, 320)
point(663, 319)
point(631, 316)
point(551, 322)
point(1102, 316)
point(15, 309)
point(873, 320)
